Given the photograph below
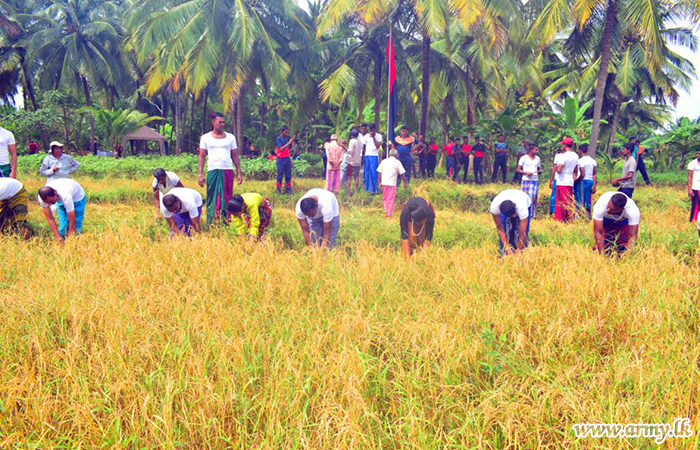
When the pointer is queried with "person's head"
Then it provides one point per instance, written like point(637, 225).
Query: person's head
point(161, 176)
point(354, 133)
point(508, 208)
point(394, 153)
point(309, 206)
point(172, 203)
point(56, 149)
point(432, 141)
point(501, 138)
point(583, 149)
point(477, 140)
point(284, 131)
point(418, 213)
point(334, 137)
point(236, 206)
point(567, 144)
point(697, 153)
point(218, 122)
point(373, 128)
point(526, 143)
point(363, 128)
point(633, 140)
point(48, 195)
point(465, 139)
point(627, 150)
point(421, 137)
point(533, 149)
point(404, 131)
point(617, 204)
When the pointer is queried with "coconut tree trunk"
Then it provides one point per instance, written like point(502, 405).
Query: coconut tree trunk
point(190, 130)
point(29, 87)
point(183, 121)
point(425, 100)
point(239, 115)
point(88, 102)
point(234, 105)
point(613, 128)
point(204, 111)
point(610, 17)
point(377, 89)
point(178, 125)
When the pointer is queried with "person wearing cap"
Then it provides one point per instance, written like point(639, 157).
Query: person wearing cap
point(318, 214)
point(616, 220)
point(57, 164)
point(565, 170)
point(69, 197)
point(628, 181)
point(511, 214)
point(182, 208)
point(163, 182)
point(14, 204)
point(417, 224)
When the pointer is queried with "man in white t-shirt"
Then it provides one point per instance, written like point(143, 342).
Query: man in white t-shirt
point(8, 154)
point(615, 223)
point(69, 197)
point(14, 204)
point(529, 167)
point(372, 142)
point(566, 171)
point(182, 208)
point(694, 185)
point(222, 150)
point(389, 171)
point(511, 214)
point(585, 186)
point(162, 183)
point(318, 213)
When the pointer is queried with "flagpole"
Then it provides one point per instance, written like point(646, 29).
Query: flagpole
point(388, 90)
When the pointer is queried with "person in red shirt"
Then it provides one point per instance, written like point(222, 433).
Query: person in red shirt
point(431, 158)
point(466, 152)
point(478, 150)
point(452, 159)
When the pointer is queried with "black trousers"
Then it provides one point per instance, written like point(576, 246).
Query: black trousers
point(465, 165)
point(500, 162)
point(478, 170)
point(431, 159)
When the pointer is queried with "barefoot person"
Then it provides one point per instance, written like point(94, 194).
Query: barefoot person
point(57, 164)
point(389, 171)
point(14, 204)
point(566, 171)
point(251, 213)
point(221, 149)
point(529, 168)
point(615, 223)
point(511, 214)
point(163, 182)
point(319, 218)
point(69, 197)
point(417, 224)
point(334, 155)
point(8, 154)
point(182, 208)
point(628, 181)
point(694, 185)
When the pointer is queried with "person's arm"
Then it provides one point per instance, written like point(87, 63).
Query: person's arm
point(502, 233)
point(13, 159)
point(156, 201)
point(629, 175)
point(522, 234)
point(551, 175)
point(240, 226)
point(326, 234)
point(429, 228)
point(633, 231)
point(520, 170)
point(406, 248)
point(237, 165)
point(197, 224)
point(595, 180)
point(690, 184)
point(289, 142)
point(405, 184)
point(52, 223)
point(599, 235)
point(74, 165)
point(560, 167)
point(404, 218)
point(202, 161)
point(45, 170)
point(304, 224)
point(173, 225)
point(577, 172)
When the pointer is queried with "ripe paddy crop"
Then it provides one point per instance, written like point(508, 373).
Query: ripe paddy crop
point(124, 338)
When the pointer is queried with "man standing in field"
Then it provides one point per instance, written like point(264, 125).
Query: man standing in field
point(452, 160)
point(694, 185)
point(318, 213)
point(566, 170)
point(511, 214)
point(628, 181)
point(284, 161)
point(523, 150)
point(421, 151)
point(417, 224)
point(389, 170)
point(372, 142)
point(500, 160)
point(334, 154)
point(615, 223)
point(163, 182)
point(182, 208)
point(431, 157)
point(354, 161)
point(14, 204)
point(57, 164)
point(638, 154)
point(529, 167)
point(404, 145)
point(479, 150)
point(222, 150)
point(466, 154)
point(588, 177)
point(69, 197)
point(8, 154)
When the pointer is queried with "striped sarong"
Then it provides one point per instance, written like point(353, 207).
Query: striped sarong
point(532, 189)
point(219, 192)
point(13, 212)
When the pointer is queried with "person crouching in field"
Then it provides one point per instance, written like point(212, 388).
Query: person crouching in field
point(615, 223)
point(163, 182)
point(529, 168)
point(417, 224)
point(14, 204)
point(251, 215)
point(182, 208)
point(69, 197)
point(318, 213)
point(389, 171)
point(511, 214)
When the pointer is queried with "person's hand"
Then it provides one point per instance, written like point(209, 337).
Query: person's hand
point(61, 240)
point(529, 174)
point(405, 187)
point(13, 173)
point(239, 178)
point(593, 190)
point(509, 251)
point(615, 183)
point(200, 181)
point(550, 183)
point(691, 194)
point(55, 169)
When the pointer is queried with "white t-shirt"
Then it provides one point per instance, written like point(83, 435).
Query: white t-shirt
point(631, 211)
point(219, 151)
point(530, 165)
point(171, 180)
point(370, 146)
point(190, 200)
point(694, 165)
point(328, 208)
point(390, 169)
point(6, 139)
point(570, 161)
point(69, 192)
point(521, 199)
point(8, 188)
point(587, 164)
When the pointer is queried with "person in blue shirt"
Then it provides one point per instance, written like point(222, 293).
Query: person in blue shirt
point(500, 160)
point(639, 157)
point(404, 144)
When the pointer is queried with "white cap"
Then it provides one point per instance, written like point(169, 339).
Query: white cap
point(55, 144)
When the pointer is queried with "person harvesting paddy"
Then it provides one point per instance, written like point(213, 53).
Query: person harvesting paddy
point(70, 199)
point(511, 214)
point(14, 204)
point(182, 208)
point(163, 182)
point(251, 215)
point(417, 224)
point(616, 220)
point(318, 214)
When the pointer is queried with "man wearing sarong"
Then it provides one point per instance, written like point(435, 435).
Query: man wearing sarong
point(182, 208)
point(567, 170)
point(251, 215)
point(616, 220)
point(221, 150)
point(529, 168)
point(69, 198)
point(417, 224)
point(318, 214)
point(694, 185)
point(511, 214)
point(586, 186)
point(14, 203)
point(8, 154)
point(334, 153)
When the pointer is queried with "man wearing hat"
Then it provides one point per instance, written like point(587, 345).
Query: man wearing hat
point(57, 164)
point(163, 182)
point(566, 170)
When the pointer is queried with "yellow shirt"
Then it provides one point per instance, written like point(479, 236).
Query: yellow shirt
point(252, 204)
